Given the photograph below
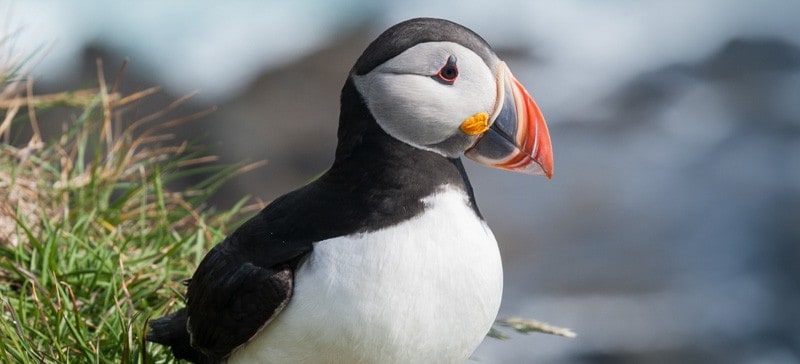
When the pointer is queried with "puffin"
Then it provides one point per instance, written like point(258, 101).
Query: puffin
point(384, 258)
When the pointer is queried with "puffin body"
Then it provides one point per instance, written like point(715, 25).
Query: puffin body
point(385, 258)
point(359, 298)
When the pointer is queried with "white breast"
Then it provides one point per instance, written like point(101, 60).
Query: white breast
point(424, 291)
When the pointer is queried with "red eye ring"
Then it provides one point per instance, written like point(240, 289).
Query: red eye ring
point(449, 72)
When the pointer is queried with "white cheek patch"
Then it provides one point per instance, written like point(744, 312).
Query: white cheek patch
point(413, 107)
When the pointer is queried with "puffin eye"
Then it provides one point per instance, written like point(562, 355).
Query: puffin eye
point(448, 73)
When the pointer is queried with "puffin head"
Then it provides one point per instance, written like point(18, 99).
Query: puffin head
point(437, 86)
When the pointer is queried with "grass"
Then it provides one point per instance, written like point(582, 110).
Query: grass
point(93, 242)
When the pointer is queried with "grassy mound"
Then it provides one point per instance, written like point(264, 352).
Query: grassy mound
point(92, 241)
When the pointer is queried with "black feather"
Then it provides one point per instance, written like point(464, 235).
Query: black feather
point(409, 33)
point(171, 331)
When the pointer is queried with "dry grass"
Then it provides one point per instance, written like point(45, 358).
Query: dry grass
point(92, 239)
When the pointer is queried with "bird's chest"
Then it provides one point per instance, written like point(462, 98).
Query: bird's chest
point(425, 290)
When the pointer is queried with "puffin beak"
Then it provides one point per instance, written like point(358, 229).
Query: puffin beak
point(517, 138)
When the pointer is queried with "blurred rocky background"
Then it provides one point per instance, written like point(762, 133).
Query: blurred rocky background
point(670, 232)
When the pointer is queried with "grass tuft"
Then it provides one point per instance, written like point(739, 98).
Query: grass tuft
point(527, 326)
point(93, 241)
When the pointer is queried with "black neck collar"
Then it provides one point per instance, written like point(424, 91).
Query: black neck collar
point(370, 159)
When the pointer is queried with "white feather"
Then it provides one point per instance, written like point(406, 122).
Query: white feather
point(424, 291)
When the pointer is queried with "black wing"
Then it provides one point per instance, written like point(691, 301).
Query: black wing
point(240, 285)
point(236, 291)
